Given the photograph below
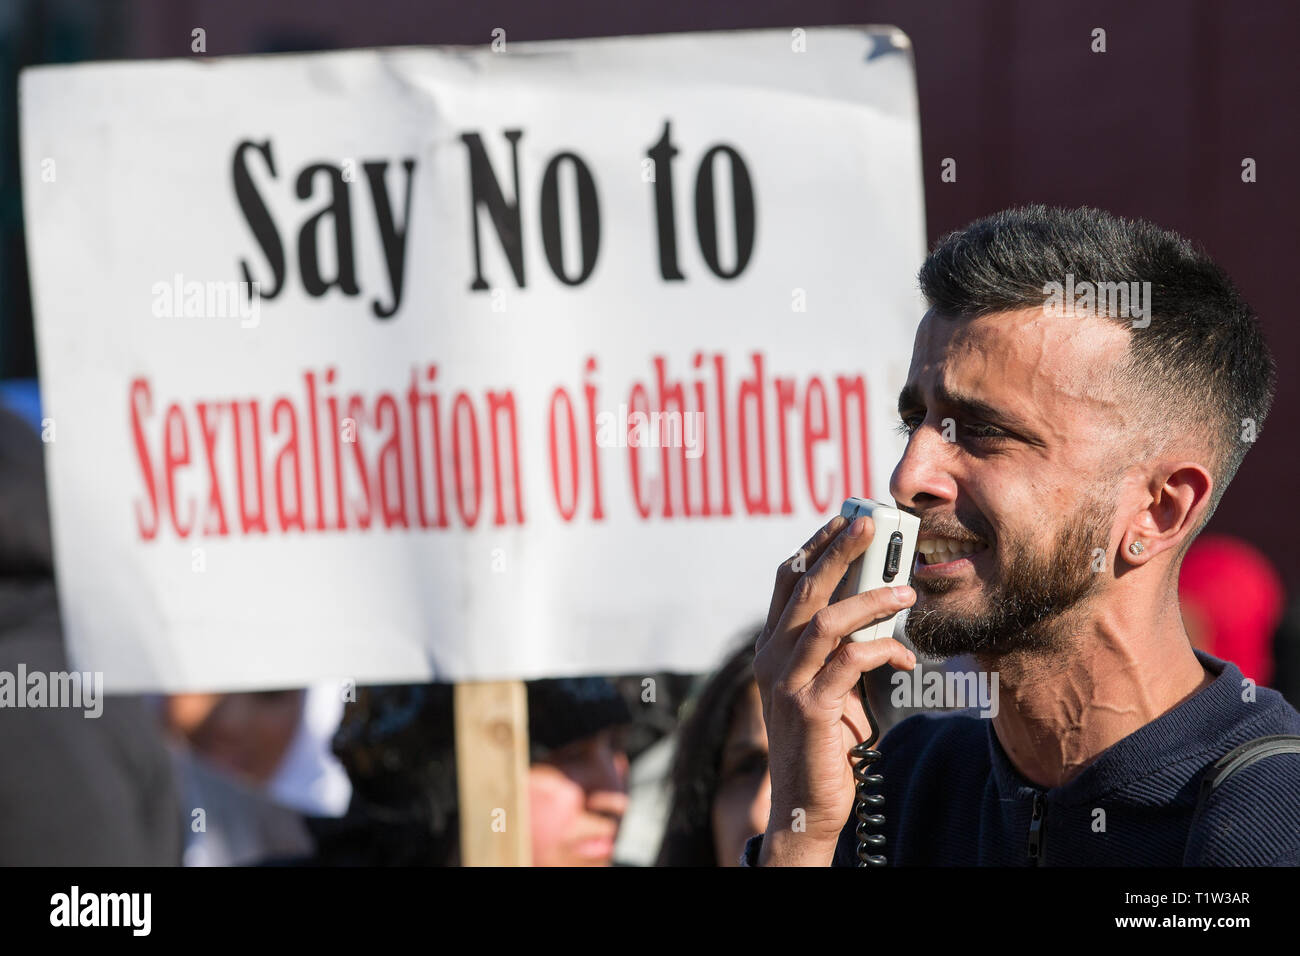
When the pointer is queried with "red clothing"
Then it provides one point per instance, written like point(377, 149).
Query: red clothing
point(1234, 590)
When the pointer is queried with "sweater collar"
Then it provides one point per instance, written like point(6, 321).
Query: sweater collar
point(1177, 736)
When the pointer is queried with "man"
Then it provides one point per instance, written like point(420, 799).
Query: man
point(1061, 460)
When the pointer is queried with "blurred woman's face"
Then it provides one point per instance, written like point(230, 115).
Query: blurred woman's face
point(577, 798)
point(744, 796)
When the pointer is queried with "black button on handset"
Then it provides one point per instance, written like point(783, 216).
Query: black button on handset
point(893, 556)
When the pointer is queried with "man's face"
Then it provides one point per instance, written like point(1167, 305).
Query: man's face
point(1013, 467)
point(577, 797)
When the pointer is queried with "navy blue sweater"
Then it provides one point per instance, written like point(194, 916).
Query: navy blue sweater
point(952, 797)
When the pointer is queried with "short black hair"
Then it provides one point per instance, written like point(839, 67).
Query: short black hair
point(1202, 363)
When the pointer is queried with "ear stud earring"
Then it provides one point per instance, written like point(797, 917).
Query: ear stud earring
point(1137, 547)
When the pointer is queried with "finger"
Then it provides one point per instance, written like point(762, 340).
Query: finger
point(814, 589)
point(841, 674)
point(835, 621)
point(793, 568)
point(808, 592)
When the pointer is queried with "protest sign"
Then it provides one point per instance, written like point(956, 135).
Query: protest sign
point(462, 364)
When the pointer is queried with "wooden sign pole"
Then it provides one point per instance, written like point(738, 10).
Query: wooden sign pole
point(492, 773)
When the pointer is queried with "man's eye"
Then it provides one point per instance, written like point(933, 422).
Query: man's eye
point(988, 432)
point(905, 425)
point(910, 423)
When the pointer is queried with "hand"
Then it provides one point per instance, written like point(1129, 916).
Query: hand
point(807, 684)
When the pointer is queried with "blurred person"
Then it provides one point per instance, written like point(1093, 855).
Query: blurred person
point(1061, 463)
point(398, 746)
point(1231, 599)
point(245, 734)
point(276, 741)
point(228, 748)
point(721, 793)
point(74, 790)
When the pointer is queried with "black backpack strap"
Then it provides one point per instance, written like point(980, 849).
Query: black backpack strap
point(1239, 758)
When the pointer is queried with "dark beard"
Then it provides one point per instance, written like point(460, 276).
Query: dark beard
point(1025, 606)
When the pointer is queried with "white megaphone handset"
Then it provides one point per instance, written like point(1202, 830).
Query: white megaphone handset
point(887, 561)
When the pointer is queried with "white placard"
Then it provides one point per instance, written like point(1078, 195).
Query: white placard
point(343, 354)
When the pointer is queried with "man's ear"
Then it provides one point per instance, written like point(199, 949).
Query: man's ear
point(1179, 497)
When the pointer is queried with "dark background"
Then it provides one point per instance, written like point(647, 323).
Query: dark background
point(1155, 127)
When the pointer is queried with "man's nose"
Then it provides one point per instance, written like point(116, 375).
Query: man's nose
point(925, 470)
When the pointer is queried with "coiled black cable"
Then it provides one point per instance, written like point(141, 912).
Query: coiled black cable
point(867, 805)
